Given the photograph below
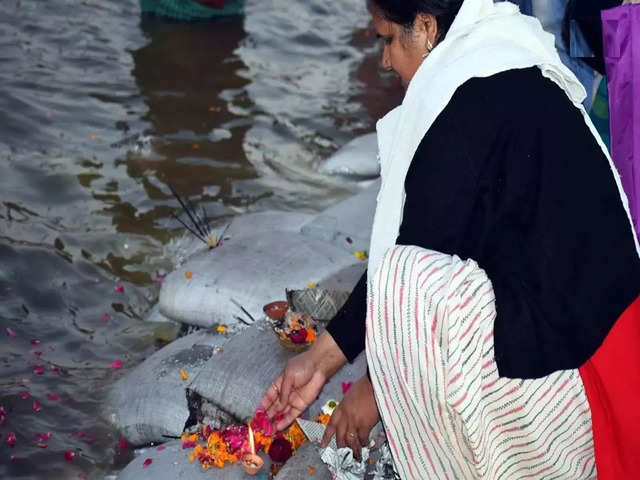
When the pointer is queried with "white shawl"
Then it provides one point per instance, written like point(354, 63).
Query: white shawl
point(484, 39)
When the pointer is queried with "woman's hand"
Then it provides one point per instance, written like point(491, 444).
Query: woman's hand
point(353, 418)
point(301, 381)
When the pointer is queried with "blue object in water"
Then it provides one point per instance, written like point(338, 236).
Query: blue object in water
point(189, 10)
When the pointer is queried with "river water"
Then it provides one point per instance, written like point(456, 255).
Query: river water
point(100, 110)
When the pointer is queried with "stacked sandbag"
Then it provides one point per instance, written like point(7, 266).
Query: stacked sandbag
point(150, 402)
point(347, 224)
point(234, 381)
point(357, 160)
point(172, 463)
point(306, 463)
point(262, 255)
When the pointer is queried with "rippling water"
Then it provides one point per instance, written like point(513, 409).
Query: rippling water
point(99, 111)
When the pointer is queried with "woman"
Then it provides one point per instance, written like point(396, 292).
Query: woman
point(518, 361)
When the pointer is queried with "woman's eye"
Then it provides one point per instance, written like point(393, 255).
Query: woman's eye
point(388, 40)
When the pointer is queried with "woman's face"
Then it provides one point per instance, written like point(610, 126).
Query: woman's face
point(403, 50)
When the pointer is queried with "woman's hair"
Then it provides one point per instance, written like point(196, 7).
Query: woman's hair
point(405, 12)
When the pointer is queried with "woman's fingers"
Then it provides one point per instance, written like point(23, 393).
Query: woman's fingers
point(363, 436)
point(353, 441)
point(271, 400)
point(331, 428)
point(341, 433)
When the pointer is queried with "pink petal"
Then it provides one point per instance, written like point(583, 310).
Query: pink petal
point(11, 332)
point(24, 395)
point(37, 353)
point(3, 419)
point(38, 370)
point(35, 341)
point(36, 406)
point(79, 434)
point(54, 397)
point(2, 411)
point(38, 437)
point(54, 368)
point(119, 288)
point(11, 439)
point(13, 458)
point(346, 386)
point(123, 444)
point(46, 436)
point(160, 448)
point(42, 445)
point(105, 317)
point(68, 456)
point(160, 279)
point(146, 463)
point(116, 365)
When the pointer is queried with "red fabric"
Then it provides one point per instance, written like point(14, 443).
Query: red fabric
point(214, 3)
point(611, 379)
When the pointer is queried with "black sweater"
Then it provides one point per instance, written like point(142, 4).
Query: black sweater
point(510, 176)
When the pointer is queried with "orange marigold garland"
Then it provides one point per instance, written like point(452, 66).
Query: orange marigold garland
point(228, 445)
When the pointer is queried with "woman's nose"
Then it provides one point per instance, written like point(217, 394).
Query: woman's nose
point(386, 59)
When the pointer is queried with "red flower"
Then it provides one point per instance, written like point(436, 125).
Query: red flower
point(24, 395)
point(35, 341)
point(298, 336)
point(146, 463)
point(36, 406)
point(42, 445)
point(38, 370)
point(11, 439)
point(280, 450)
point(346, 386)
point(119, 288)
point(54, 397)
point(160, 448)
point(123, 444)
point(69, 456)
point(105, 317)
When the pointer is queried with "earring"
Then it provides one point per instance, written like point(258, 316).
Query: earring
point(429, 48)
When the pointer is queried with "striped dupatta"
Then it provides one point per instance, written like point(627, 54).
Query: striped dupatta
point(447, 413)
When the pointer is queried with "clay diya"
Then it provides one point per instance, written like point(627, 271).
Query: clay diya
point(276, 310)
point(251, 463)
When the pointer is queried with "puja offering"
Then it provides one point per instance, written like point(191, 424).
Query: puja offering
point(296, 331)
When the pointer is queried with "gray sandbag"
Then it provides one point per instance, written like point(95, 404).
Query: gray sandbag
point(250, 269)
point(348, 223)
point(356, 159)
point(234, 381)
point(297, 467)
point(151, 400)
point(172, 463)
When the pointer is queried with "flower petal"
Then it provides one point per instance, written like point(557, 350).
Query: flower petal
point(105, 317)
point(36, 406)
point(146, 463)
point(123, 444)
point(119, 288)
point(24, 395)
point(69, 456)
point(160, 448)
point(116, 365)
point(11, 332)
point(346, 386)
point(54, 397)
point(35, 341)
point(38, 370)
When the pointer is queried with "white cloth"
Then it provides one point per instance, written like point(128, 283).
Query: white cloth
point(446, 411)
point(484, 39)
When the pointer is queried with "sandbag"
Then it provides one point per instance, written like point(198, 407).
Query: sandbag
point(235, 380)
point(172, 463)
point(250, 269)
point(348, 223)
point(356, 159)
point(306, 463)
point(151, 400)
